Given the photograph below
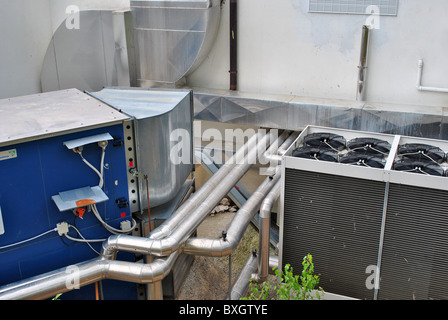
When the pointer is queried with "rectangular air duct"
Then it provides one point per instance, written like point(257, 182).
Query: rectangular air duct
point(371, 209)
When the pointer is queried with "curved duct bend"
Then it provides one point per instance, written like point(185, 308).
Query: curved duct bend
point(172, 38)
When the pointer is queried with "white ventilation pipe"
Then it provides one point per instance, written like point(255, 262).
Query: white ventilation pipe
point(419, 81)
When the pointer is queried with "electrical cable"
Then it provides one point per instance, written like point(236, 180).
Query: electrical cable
point(30, 239)
point(100, 173)
point(102, 166)
point(84, 240)
point(110, 228)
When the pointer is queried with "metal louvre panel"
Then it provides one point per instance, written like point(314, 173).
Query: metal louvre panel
point(415, 253)
point(338, 221)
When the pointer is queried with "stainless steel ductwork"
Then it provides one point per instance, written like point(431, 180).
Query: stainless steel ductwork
point(153, 111)
point(156, 43)
point(172, 38)
point(91, 57)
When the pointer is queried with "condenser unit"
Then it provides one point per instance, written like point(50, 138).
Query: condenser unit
point(375, 221)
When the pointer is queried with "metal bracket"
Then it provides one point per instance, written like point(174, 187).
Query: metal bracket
point(136, 173)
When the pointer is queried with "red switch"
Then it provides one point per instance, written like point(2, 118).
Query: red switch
point(80, 212)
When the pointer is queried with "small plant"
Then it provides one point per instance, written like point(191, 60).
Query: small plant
point(57, 296)
point(290, 286)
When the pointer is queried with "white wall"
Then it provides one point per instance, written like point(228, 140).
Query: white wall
point(284, 49)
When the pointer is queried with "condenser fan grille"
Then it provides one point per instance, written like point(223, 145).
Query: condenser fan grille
point(421, 152)
point(325, 140)
point(423, 167)
point(420, 158)
point(362, 159)
point(369, 145)
point(316, 153)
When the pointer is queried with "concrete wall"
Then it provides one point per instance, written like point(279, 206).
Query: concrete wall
point(284, 49)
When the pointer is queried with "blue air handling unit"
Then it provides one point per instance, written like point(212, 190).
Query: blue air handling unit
point(64, 163)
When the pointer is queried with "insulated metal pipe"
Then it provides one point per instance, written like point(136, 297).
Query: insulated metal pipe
point(242, 281)
point(238, 225)
point(272, 151)
point(276, 158)
point(247, 273)
point(273, 263)
point(208, 187)
point(169, 244)
point(154, 290)
point(264, 233)
point(75, 276)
